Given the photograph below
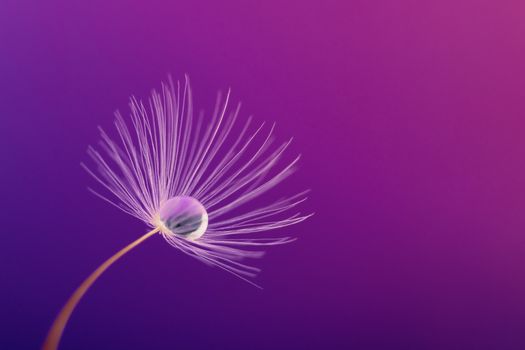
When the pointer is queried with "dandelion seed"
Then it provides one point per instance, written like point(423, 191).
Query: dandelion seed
point(187, 179)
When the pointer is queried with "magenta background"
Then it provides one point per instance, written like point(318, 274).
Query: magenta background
point(410, 117)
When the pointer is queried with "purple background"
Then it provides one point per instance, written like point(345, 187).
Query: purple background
point(410, 117)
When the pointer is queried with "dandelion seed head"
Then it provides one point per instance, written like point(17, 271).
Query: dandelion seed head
point(182, 216)
point(192, 175)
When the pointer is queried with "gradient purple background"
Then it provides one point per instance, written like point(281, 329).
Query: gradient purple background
point(410, 117)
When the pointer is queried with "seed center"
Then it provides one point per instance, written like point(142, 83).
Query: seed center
point(183, 216)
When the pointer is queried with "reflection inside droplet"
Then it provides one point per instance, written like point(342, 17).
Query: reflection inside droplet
point(183, 216)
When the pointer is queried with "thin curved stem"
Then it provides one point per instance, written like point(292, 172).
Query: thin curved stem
point(55, 333)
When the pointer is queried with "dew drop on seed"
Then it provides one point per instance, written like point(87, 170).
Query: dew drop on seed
point(184, 216)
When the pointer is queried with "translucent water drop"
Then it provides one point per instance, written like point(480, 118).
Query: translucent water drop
point(183, 216)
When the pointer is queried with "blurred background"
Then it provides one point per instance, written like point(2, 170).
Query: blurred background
point(410, 119)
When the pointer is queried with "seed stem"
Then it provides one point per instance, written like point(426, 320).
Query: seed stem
point(55, 333)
